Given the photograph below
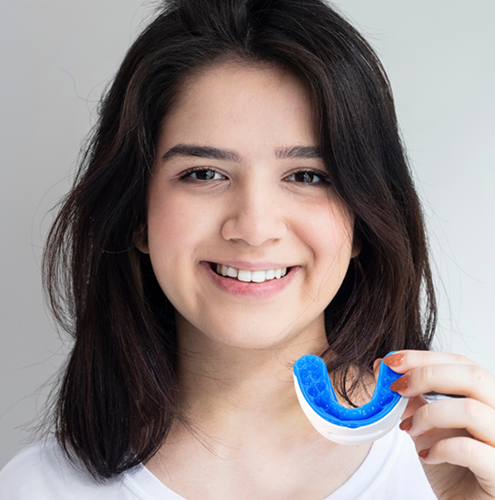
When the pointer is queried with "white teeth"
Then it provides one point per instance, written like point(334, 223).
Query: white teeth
point(244, 275)
point(258, 276)
point(232, 272)
point(247, 276)
point(270, 274)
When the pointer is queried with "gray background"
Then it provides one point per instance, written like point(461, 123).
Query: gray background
point(58, 55)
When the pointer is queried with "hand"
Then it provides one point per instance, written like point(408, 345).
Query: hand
point(455, 438)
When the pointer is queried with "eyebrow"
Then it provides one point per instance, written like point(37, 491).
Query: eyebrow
point(303, 152)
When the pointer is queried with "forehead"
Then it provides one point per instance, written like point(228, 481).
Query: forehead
point(239, 97)
point(225, 70)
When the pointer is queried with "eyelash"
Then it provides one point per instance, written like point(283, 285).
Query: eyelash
point(188, 173)
point(324, 179)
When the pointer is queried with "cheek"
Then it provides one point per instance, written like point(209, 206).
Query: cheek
point(181, 230)
point(328, 234)
point(328, 230)
point(169, 237)
point(175, 223)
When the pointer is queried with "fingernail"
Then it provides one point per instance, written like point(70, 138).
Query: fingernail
point(401, 384)
point(406, 424)
point(394, 359)
point(424, 453)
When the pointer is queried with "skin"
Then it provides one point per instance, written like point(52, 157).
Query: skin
point(253, 212)
point(249, 437)
point(455, 438)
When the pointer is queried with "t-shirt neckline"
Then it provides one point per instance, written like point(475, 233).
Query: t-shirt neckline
point(146, 486)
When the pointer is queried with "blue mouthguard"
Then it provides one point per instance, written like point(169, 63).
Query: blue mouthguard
point(338, 423)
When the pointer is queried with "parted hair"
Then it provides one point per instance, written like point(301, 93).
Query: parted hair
point(118, 393)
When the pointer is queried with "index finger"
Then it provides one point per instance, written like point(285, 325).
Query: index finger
point(441, 372)
point(404, 361)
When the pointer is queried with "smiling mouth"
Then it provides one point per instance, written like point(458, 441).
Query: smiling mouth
point(249, 276)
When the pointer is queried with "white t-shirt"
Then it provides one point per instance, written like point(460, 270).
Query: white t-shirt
point(40, 472)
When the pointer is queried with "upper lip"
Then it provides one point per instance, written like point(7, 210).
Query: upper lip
point(250, 266)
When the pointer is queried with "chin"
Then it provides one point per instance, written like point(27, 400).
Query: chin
point(250, 331)
point(258, 336)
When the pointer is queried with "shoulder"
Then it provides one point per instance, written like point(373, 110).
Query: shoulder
point(41, 471)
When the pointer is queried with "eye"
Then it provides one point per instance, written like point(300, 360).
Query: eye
point(202, 174)
point(309, 177)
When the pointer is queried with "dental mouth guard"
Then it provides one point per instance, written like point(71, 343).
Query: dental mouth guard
point(352, 426)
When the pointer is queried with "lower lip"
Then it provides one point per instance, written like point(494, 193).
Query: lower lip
point(251, 289)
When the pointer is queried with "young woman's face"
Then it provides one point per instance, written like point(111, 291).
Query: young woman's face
point(238, 188)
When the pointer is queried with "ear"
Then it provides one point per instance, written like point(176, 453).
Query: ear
point(357, 246)
point(141, 239)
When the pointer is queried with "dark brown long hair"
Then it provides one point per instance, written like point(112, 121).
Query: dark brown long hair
point(118, 394)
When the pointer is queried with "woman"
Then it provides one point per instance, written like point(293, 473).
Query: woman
point(245, 200)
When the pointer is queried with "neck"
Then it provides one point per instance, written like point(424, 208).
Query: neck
point(246, 422)
point(228, 389)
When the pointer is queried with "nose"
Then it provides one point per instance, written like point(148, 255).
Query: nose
point(254, 216)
